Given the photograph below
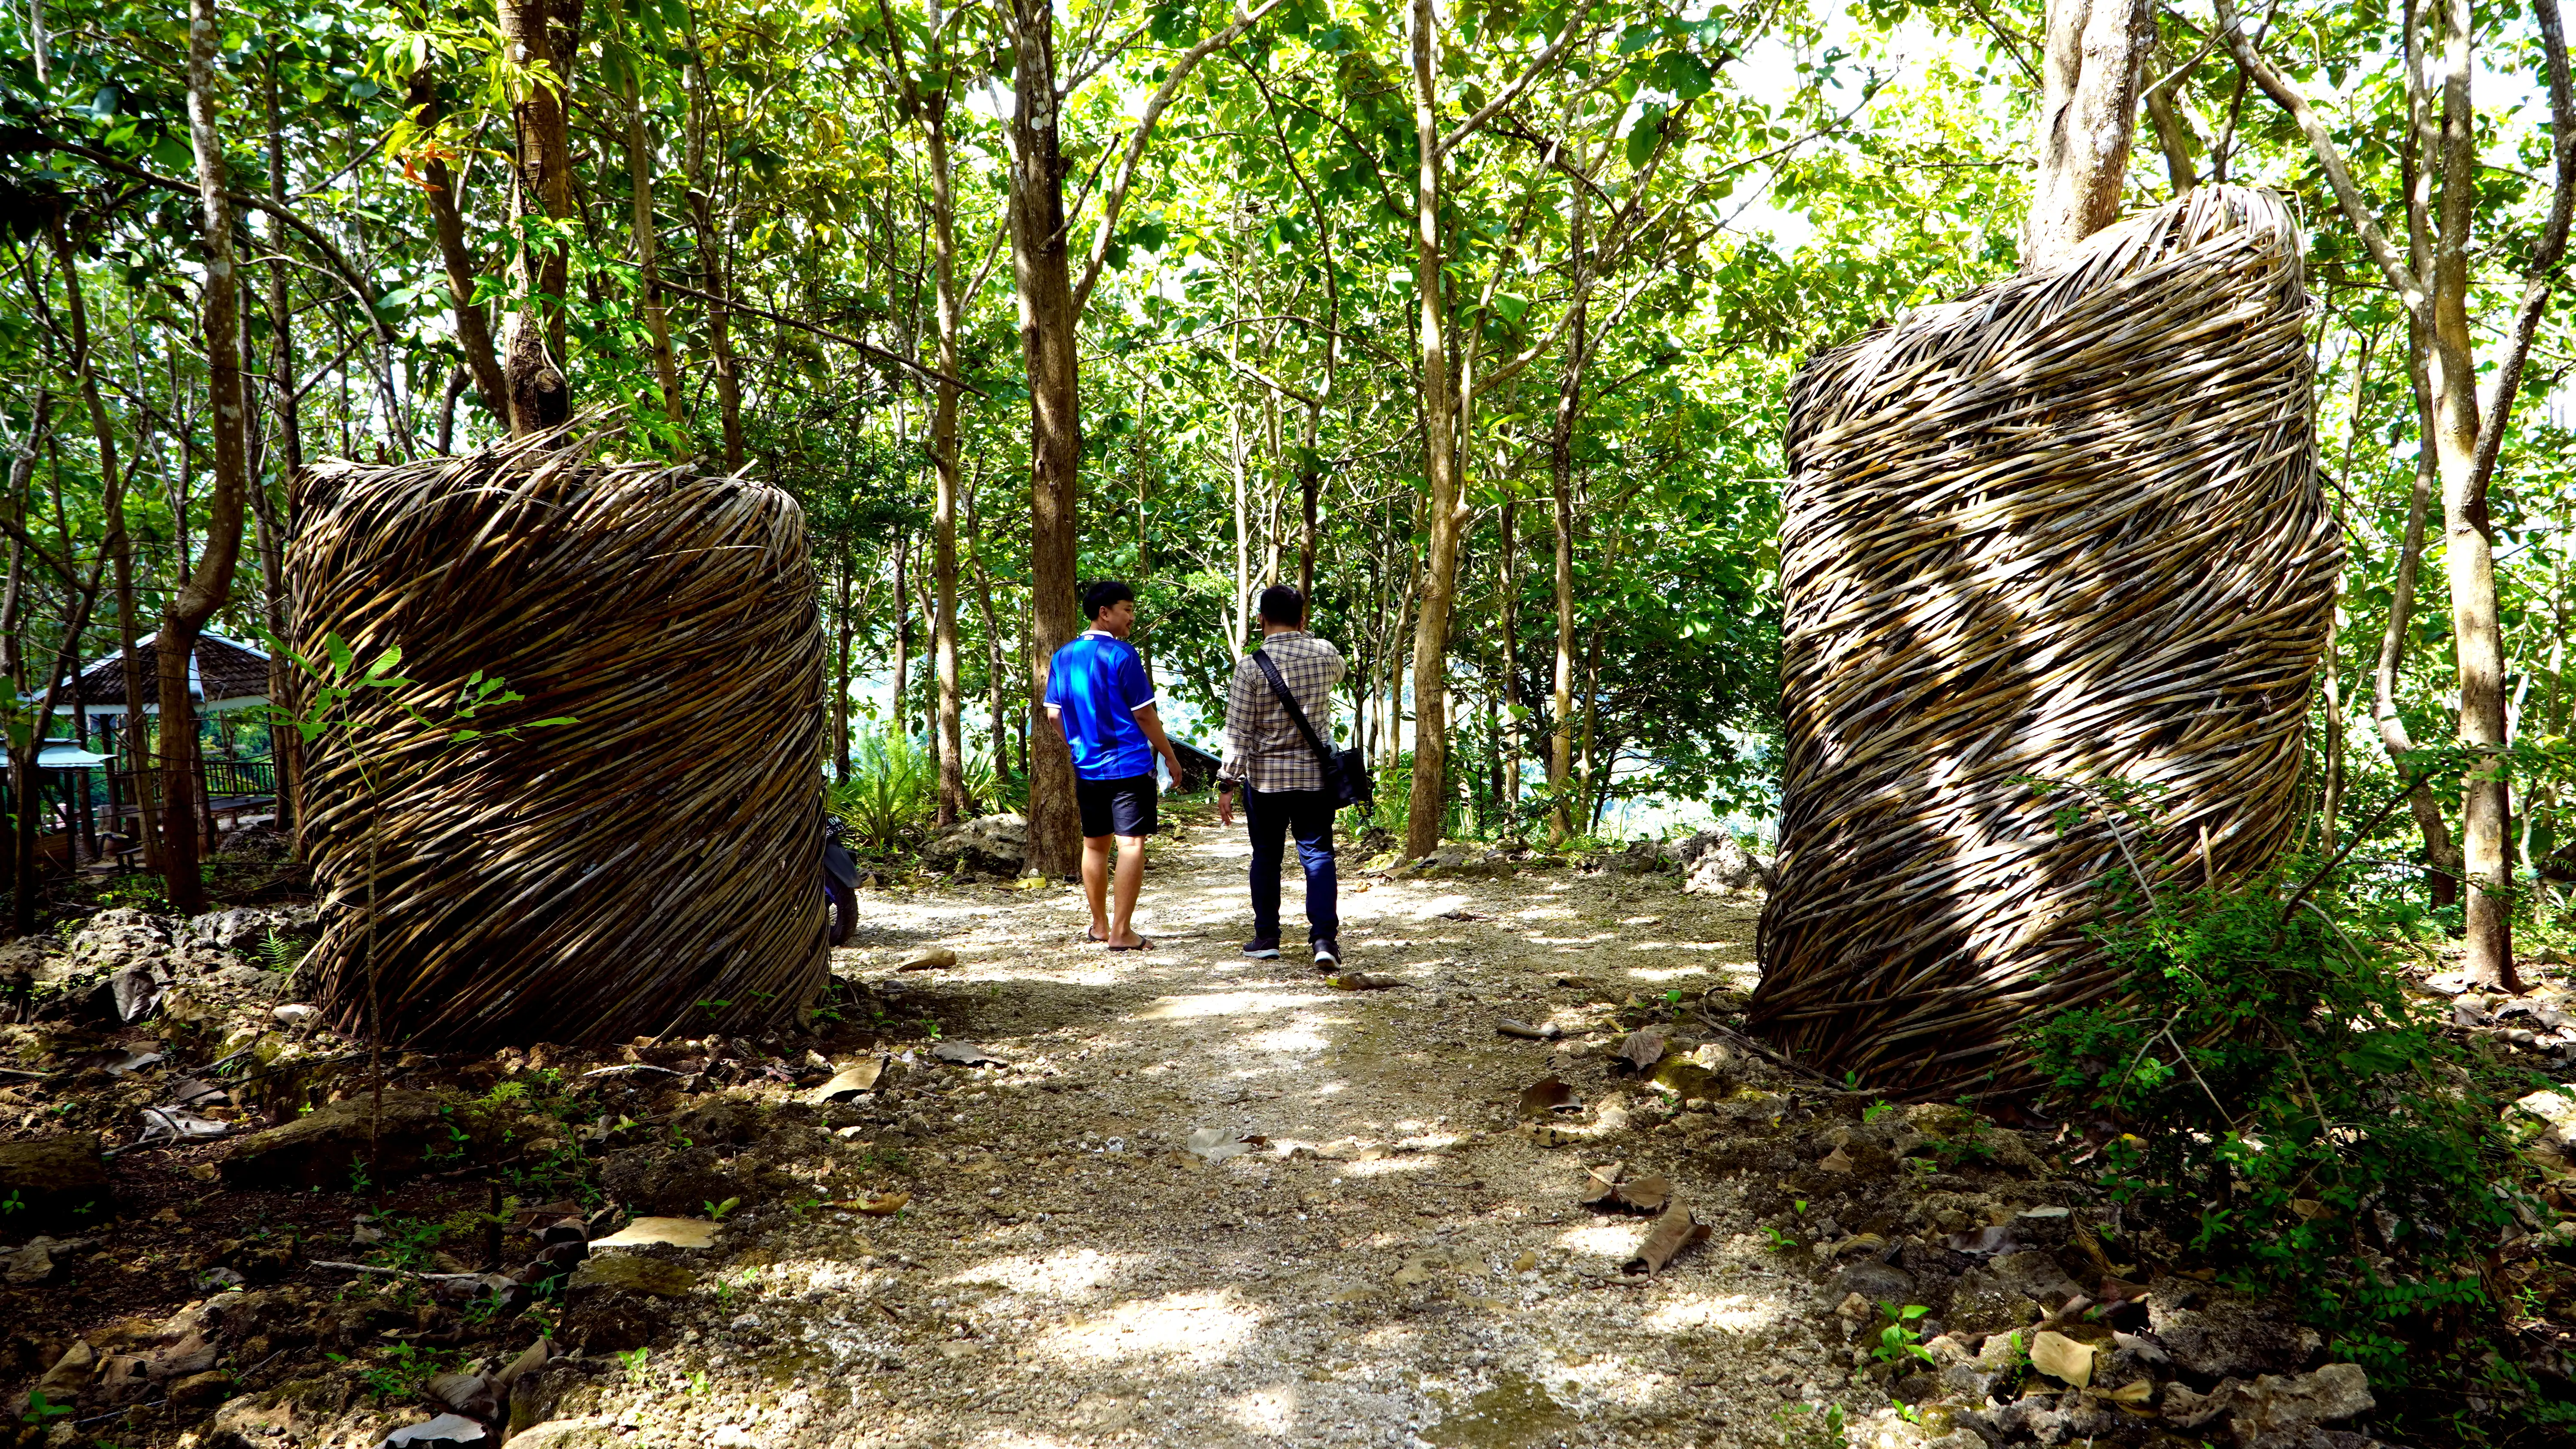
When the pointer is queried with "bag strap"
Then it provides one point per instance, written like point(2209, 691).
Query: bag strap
point(1279, 686)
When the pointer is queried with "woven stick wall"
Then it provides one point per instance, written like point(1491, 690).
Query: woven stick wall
point(654, 868)
point(2066, 526)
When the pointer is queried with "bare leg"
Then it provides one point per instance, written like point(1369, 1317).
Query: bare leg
point(1131, 878)
point(1095, 883)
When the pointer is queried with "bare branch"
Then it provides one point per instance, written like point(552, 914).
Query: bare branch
point(2545, 261)
point(2410, 288)
point(1144, 132)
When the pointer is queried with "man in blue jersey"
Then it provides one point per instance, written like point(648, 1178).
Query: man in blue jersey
point(1097, 690)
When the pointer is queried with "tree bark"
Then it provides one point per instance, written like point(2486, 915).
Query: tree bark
point(2441, 856)
point(2469, 544)
point(286, 747)
point(456, 258)
point(648, 265)
point(1041, 271)
point(2088, 110)
point(902, 639)
point(1439, 457)
point(1560, 468)
point(209, 584)
point(841, 670)
point(1508, 724)
point(930, 113)
point(539, 35)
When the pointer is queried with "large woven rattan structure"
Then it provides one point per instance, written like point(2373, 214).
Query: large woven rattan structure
point(651, 869)
point(2067, 527)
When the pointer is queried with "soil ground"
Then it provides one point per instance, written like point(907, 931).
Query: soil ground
point(1391, 1264)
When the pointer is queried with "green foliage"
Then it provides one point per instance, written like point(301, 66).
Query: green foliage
point(1808, 1426)
point(892, 794)
point(2282, 1106)
point(1898, 1340)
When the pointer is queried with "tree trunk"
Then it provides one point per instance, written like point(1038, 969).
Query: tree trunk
point(209, 584)
point(902, 640)
point(1507, 723)
point(1041, 271)
point(1560, 470)
point(1439, 457)
point(447, 223)
point(2441, 856)
point(539, 32)
point(841, 672)
point(648, 265)
point(286, 746)
point(2088, 109)
point(943, 460)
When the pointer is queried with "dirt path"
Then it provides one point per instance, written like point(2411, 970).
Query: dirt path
point(1393, 1265)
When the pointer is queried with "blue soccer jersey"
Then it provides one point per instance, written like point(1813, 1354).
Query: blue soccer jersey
point(1099, 683)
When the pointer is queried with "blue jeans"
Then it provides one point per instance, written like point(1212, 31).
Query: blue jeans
point(1307, 814)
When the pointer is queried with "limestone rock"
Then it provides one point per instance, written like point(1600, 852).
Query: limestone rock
point(1715, 863)
point(986, 845)
point(319, 1148)
point(1983, 1302)
point(52, 1179)
point(627, 1273)
point(2036, 1276)
point(2221, 1336)
point(592, 1433)
point(2274, 1409)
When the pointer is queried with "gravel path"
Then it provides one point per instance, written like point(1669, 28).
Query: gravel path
point(1385, 1261)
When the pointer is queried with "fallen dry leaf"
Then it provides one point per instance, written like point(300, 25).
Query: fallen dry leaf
point(930, 959)
point(965, 1054)
point(671, 1232)
point(879, 1205)
point(1604, 1188)
point(1673, 1231)
point(849, 1081)
point(1643, 1048)
point(1522, 1029)
point(1361, 981)
point(2062, 1358)
point(1548, 1094)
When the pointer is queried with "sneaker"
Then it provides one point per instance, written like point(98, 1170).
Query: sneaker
point(1262, 948)
point(1328, 954)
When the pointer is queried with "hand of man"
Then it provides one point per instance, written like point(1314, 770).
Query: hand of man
point(1172, 762)
point(1224, 806)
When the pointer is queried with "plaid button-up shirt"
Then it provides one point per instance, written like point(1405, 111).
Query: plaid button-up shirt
point(1263, 748)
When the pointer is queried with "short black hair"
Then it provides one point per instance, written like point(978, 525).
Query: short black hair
point(1282, 604)
point(1103, 594)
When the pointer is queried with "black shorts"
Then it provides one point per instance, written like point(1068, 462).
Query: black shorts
point(1116, 807)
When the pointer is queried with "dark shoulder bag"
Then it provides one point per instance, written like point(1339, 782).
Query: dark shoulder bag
point(1346, 775)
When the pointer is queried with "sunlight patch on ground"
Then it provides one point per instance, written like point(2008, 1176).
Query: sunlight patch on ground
point(1686, 946)
point(1303, 1037)
point(1271, 1411)
point(1226, 1003)
point(1020, 1439)
point(1539, 940)
point(1387, 1166)
point(1603, 1240)
point(1197, 1329)
point(1666, 973)
point(1068, 1276)
point(1717, 1312)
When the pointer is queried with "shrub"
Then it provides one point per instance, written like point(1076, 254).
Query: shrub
point(2276, 1101)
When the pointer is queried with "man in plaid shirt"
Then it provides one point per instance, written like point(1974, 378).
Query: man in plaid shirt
point(1281, 777)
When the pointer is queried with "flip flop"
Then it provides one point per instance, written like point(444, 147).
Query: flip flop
point(1094, 937)
point(1141, 945)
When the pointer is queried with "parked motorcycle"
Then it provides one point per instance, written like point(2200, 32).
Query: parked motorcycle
point(840, 881)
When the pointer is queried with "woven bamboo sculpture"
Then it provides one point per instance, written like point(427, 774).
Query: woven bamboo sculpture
point(655, 867)
point(2067, 526)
